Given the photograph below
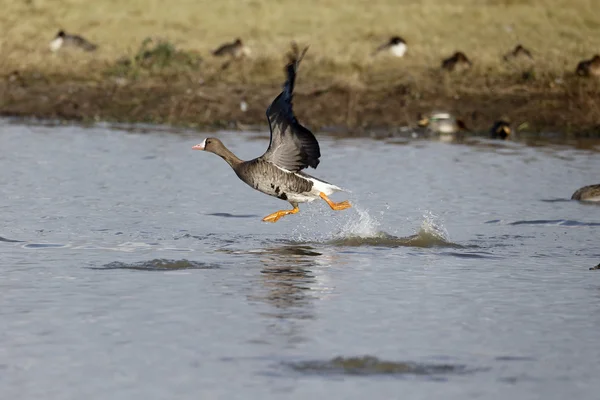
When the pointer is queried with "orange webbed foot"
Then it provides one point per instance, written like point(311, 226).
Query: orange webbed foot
point(278, 214)
point(336, 206)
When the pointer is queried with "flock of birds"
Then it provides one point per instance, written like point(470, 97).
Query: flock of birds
point(396, 46)
point(292, 148)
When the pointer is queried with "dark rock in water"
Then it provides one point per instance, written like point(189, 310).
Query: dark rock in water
point(596, 267)
point(369, 365)
point(159, 264)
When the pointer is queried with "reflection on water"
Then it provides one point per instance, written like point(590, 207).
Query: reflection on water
point(289, 285)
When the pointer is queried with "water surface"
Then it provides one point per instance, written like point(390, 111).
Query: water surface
point(136, 268)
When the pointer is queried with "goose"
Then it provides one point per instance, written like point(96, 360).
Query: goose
point(589, 67)
point(518, 52)
point(236, 49)
point(587, 193)
point(62, 39)
point(500, 130)
point(396, 46)
point(458, 61)
point(292, 148)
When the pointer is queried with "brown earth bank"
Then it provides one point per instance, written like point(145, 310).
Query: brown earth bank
point(569, 107)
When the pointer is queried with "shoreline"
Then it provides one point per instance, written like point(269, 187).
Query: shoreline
point(570, 109)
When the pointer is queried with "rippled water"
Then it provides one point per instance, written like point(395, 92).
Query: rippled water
point(136, 268)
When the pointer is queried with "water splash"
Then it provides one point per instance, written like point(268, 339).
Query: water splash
point(364, 226)
point(365, 231)
point(432, 226)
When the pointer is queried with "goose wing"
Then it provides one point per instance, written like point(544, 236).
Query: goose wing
point(292, 147)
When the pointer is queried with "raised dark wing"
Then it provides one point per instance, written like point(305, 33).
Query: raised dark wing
point(292, 147)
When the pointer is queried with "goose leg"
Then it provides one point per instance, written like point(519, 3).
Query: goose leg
point(335, 206)
point(278, 214)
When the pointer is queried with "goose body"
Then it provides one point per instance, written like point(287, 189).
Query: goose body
point(293, 147)
point(456, 62)
point(396, 47)
point(589, 67)
point(587, 193)
point(63, 39)
point(500, 130)
point(444, 125)
point(519, 52)
point(236, 49)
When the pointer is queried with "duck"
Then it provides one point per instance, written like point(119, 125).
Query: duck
point(519, 52)
point(235, 49)
point(457, 61)
point(589, 67)
point(587, 193)
point(62, 39)
point(396, 47)
point(500, 130)
point(443, 124)
point(292, 148)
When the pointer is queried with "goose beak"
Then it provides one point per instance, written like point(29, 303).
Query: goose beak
point(200, 146)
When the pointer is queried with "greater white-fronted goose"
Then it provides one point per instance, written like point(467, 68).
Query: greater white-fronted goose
point(500, 130)
point(587, 193)
point(456, 62)
point(589, 67)
point(396, 47)
point(62, 39)
point(293, 147)
point(519, 52)
point(235, 49)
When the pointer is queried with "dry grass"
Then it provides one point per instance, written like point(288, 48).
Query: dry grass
point(342, 35)
point(341, 83)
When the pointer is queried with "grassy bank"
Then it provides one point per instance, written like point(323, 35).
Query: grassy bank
point(340, 83)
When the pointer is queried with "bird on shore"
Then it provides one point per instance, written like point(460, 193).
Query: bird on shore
point(500, 130)
point(444, 125)
point(278, 172)
point(396, 47)
point(62, 39)
point(235, 49)
point(589, 67)
point(458, 61)
point(587, 193)
point(519, 52)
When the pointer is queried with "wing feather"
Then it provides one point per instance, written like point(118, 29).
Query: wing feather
point(293, 147)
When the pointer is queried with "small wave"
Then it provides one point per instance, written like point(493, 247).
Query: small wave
point(559, 222)
point(44, 246)
point(3, 239)
point(369, 365)
point(228, 215)
point(470, 255)
point(552, 222)
point(364, 232)
point(556, 200)
point(159, 264)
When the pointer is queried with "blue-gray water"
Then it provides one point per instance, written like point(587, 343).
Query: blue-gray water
point(135, 268)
